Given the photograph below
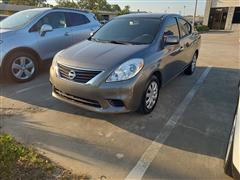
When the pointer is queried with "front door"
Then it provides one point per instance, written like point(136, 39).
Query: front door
point(57, 39)
point(173, 55)
point(217, 18)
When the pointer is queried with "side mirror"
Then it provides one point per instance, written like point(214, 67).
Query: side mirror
point(171, 40)
point(91, 34)
point(45, 28)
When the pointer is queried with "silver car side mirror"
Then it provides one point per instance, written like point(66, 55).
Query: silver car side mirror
point(172, 40)
point(45, 28)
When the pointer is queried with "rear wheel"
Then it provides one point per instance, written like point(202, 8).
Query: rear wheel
point(150, 96)
point(192, 67)
point(21, 67)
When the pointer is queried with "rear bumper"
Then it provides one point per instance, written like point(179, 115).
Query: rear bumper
point(117, 97)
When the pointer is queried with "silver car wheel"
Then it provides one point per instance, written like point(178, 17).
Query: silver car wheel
point(151, 95)
point(23, 68)
point(194, 62)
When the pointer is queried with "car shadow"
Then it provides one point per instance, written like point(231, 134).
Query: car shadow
point(204, 129)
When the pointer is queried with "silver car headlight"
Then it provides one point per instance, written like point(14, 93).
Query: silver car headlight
point(126, 70)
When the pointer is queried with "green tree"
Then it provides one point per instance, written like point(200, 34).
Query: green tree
point(115, 8)
point(125, 10)
point(95, 5)
point(67, 3)
point(27, 2)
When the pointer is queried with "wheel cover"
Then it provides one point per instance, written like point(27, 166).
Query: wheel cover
point(151, 95)
point(23, 68)
point(194, 62)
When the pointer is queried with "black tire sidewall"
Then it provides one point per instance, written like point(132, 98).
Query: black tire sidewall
point(8, 66)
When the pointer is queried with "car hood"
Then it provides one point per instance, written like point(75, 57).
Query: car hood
point(97, 55)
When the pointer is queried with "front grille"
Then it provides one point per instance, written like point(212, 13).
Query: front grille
point(81, 76)
point(84, 101)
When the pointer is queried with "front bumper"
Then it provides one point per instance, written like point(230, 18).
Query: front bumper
point(2, 54)
point(99, 96)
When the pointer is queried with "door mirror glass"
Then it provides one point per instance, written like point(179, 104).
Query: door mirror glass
point(171, 40)
point(45, 28)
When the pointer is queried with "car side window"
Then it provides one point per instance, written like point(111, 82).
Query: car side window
point(77, 19)
point(55, 19)
point(185, 27)
point(171, 28)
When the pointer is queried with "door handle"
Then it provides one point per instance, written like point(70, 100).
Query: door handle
point(181, 48)
point(66, 34)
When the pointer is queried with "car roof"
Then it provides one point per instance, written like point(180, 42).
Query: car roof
point(58, 8)
point(147, 15)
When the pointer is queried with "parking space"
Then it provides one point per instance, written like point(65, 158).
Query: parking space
point(185, 137)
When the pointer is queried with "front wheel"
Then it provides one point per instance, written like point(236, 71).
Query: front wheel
point(21, 67)
point(192, 67)
point(150, 96)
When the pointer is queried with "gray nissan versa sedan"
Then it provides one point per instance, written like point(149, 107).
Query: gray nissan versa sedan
point(123, 65)
point(29, 37)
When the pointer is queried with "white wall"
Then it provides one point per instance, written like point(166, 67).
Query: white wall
point(225, 3)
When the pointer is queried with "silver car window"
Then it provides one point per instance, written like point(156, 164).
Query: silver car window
point(20, 19)
point(54, 19)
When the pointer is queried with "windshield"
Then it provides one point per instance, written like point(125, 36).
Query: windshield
point(124, 30)
point(19, 19)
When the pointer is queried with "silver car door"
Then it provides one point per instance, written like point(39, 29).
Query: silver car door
point(59, 38)
point(81, 26)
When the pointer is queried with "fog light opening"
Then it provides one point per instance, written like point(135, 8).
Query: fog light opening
point(116, 102)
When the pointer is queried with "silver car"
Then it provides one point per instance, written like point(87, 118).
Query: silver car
point(31, 36)
point(123, 65)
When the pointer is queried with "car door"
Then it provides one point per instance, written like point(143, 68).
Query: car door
point(53, 41)
point(172, 60)
point(80, 26)
point(186, 40)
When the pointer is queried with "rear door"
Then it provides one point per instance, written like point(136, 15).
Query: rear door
point(80, 26)
point(57, 39)
point(186, 40)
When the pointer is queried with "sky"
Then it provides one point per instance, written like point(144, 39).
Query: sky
point(171, 6)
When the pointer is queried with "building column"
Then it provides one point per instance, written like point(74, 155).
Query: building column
point(230, 14)
point(207, 12)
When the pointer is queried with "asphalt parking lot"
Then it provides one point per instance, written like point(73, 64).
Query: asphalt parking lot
point(184, 138)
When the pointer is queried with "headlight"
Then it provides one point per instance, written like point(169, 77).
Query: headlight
point(54, 63)
point(126, 70)
point(1, 41)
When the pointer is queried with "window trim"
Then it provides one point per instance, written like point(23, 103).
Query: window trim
point(179, 24)
point(32, 27)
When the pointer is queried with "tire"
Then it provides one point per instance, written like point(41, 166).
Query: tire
point(145, 107)
point(21, 67)
point(192, 67)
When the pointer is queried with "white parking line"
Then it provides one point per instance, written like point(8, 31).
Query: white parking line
point(151, 152)
point(30, 88)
